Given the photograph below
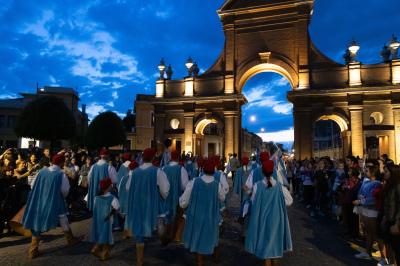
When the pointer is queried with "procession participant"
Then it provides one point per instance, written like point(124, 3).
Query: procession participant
point(105, 205)
point(256, 174)
point(253, 164)
point(268, 235)
point(123, 194)
point(178, 179)
point(202, 199)
point(123, 169)
point(46, 204)
point(189, 166)
point(145, 188)
point(240, 179)
point(221, 177)
point(98, 172)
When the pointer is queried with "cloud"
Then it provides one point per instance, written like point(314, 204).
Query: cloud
point(110, 103)
point(283, 108)
point(278, 136)
point(94, 108)
point(256, 93)
point(115, 95)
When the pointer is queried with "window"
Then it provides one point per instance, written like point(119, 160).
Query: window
point(11, 121)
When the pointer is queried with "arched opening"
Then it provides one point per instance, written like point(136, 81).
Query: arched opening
point(328, 139)
point(209, 137)
point(268, 116)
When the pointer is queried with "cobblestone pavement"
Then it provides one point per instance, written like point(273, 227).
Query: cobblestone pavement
point(317, 241)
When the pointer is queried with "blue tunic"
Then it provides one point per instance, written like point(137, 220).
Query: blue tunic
point(123, 171)
point(123, 194)
point(268, 235)
point(240, 180)
point(143, 202)
point(258, 175)
point(102, 230)
point(201, 232)
point(171, 203)
point(189, 166)
point(99, 172)
point(45, 202)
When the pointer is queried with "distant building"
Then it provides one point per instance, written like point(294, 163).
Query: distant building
point(10, 109)
point(251, 142)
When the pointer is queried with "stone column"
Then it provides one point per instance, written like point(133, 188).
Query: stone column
point(229, 133)
point(303, 133)
point(346, 139)
point(396, 137)
point(159, 126)
point(188, 141)
point(357, 134)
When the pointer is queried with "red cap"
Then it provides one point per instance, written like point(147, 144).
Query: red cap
point(175, 156)
point(182, 162)
point(268, 167)
point(200, 162)
point(133, 165)
point(245, 160)
point(105, 183)
point(264, 156)
point(209, 167)
point(156, 163)
point(58, 159)
point(148, 154)
point(126, 156)
point(103, 152)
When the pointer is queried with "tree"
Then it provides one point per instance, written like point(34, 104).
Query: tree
point(106, 130)
point(46, 118)
point(129, 121)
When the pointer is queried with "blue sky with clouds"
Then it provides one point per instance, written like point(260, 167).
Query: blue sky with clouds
point(109, 50)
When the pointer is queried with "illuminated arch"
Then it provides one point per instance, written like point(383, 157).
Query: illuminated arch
point(336, 118)
point(202, 124)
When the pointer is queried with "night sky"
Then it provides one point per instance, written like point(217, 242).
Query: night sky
point(109, 50)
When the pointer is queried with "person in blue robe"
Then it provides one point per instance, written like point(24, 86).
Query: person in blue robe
point(240, 180)
point(268, 235)
point(202, 199)
point(46, 207)
point(98, 172)
point(178, 178)
point(123, 171)
point(105, 205)
point(147, 187)
point(189, 166)
point(123, 195)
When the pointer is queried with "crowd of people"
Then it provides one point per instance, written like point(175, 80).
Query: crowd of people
point(362, 194)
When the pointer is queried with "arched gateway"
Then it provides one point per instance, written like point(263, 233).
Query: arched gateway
point(272, 35)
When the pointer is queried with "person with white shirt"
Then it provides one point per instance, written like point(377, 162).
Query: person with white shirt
point(178, 179)
point(46, 207)
point(202, 198)
point(268, 235)
point(98, 172)
point(146, 186)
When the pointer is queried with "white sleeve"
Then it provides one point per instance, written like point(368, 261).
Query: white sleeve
point(128, 183)
point(288, 197)
point(184, 177)
point(115, 203)
point(224, 183)
point(249, 182)
point(253, 195)
point(65, 186)
point(185, 198)
point(221, 192)
point(112, 174)
point(163, 183)
point(90, 174)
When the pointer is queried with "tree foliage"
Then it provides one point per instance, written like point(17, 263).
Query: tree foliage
point(129, 121)
point(46, 118)
point(106, 130)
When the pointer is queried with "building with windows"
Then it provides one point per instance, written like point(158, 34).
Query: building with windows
point(11, 108)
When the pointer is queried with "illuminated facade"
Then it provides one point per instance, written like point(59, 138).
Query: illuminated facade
point(272, 36)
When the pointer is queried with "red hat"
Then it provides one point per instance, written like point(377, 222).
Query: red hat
point(156, 163)
point(148, 154)
point(268, 167)
point(133, 165)
point(174, 156)
point(126, 156)
point(209, 166)
point(200, 162)
point(105, 183)
point(103, 152)
point(58, 159)
point(245, 160)
point(182, 162)
point(264, 156)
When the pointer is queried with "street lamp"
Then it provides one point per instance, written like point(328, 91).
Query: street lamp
point(353, 49)
point(394, 46)
point(189, 65)
point(161, 68)
point(385, 53)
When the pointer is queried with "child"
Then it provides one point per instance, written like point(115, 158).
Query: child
point(105, 205)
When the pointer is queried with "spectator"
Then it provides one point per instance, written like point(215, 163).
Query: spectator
point(45, 160)
point(33, 168)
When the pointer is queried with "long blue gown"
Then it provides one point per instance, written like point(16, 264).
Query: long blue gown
point(101, 232)
point(240, 180)
point(201, 232)
point(98, 173)
point(268, 234)
point(171, 203)
point(123, 171)
point(123, 194)
point(189, 166)
point(45, 202)
point(143, 202)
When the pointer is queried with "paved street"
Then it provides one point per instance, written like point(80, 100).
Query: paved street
point(317, 241)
